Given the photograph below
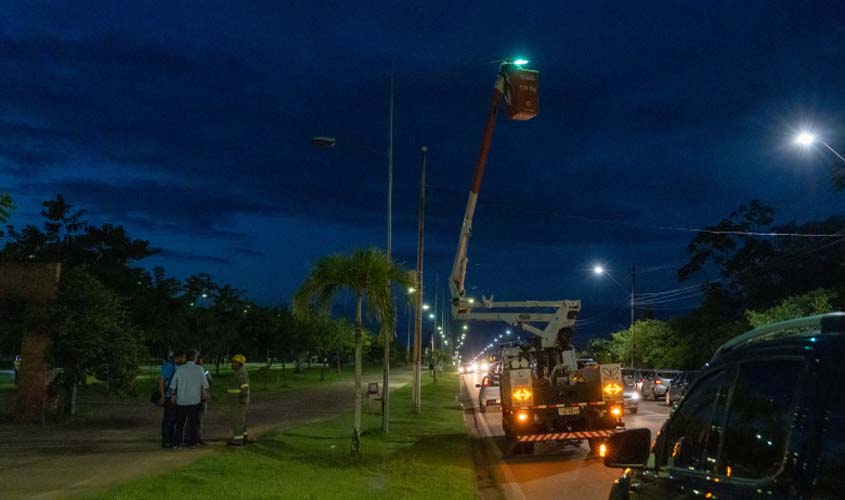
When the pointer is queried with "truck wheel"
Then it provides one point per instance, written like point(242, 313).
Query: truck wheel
point(528, 448)
point(482, 407)
point(633, 410)
point(512, 447)
point(653, 395)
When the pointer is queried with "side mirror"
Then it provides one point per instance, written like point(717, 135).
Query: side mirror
point(628, 448)
point(478, 385)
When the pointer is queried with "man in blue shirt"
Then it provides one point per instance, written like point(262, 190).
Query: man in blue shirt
point(168, 421)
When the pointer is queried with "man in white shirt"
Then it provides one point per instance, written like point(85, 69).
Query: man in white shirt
point(189, 389)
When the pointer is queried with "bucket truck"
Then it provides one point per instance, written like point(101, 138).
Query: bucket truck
point(544, 395)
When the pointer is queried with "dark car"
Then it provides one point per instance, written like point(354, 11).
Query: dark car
point(679, 385)
point(764, 419)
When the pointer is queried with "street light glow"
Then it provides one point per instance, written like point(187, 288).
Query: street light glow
point(805, 139)
point(431, 316)
point(597, 269)
point(521, 62)
point(466, 327)
point(411, 289)
point(426, 307)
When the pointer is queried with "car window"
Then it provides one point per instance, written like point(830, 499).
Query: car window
point(692, 435)
point(831, 480)
point(759, 418)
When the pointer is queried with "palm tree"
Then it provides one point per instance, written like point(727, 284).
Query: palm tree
point(368, 275)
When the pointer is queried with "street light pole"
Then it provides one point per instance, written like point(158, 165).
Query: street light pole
point(633, 301)
point(385, 398)
point(416, 399)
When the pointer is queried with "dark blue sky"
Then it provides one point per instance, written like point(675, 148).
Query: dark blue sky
point(190, 124)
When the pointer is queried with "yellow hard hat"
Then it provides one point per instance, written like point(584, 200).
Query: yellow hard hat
point(239, 358)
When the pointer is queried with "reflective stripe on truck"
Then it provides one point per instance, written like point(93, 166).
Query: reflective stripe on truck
point(532, 438)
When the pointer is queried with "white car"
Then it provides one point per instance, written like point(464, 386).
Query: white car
point(488, 393)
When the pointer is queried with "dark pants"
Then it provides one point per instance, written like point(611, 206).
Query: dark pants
point(168, 423)
point(190, 415)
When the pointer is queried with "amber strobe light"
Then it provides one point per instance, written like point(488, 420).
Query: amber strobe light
point(522, 416)
point(615, 411)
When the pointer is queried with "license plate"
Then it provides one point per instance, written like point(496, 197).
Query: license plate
point(572, 410)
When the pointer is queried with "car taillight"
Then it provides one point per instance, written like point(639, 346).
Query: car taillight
point(657, 382)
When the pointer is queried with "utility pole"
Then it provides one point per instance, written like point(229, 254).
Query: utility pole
point(633, 301)
point(388, 339)
point(416, 399)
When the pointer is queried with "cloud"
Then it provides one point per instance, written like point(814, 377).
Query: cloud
point(193, 257)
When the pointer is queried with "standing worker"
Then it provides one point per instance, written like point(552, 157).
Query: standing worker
point(237, 395)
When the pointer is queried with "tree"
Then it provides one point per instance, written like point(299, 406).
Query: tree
point(6, 207)
point(92, 335)
point(368, 275)
point(602, 350)
point(816, 302)
point(652, 343)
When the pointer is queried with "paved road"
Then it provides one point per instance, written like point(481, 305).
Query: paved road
point(554, 471)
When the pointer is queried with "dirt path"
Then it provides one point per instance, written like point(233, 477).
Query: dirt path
point(76, 459)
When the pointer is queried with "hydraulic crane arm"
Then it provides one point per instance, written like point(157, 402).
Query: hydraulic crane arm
point(459, 266)
point(564, 311)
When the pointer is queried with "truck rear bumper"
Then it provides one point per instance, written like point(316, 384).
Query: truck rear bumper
point(559, 436)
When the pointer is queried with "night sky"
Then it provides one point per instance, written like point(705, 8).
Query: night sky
point(191, 125)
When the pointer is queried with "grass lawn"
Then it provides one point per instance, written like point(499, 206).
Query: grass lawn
point(423, 457)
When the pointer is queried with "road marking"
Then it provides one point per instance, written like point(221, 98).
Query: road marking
point(490, 442)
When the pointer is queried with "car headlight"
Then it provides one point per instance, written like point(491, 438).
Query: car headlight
point(635, 396)
point(474, 366)
point(460, 369)
point(485, 367)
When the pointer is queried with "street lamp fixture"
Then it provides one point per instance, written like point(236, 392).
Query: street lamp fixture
point(426, 307)
point(411, 289)
point(431, 316)
point(508, 332)
point(521, 62)
point(465, 327)
point(805, 139)
point(598, 270)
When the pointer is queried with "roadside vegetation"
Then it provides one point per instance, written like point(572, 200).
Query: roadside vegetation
point(112, 315)
point(424, 456)
point(748, 272)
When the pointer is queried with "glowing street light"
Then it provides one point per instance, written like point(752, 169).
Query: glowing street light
point(521, 62)
point(508, 332)
point(431, 316)
point(807, 139)
point(411, 289)
point(466, 328)
point(598, 270)
point(426, 307)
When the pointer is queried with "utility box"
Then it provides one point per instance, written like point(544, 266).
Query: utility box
point(374, 398)
point(523, 88)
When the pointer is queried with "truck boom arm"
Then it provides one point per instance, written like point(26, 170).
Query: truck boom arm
point(564, 311)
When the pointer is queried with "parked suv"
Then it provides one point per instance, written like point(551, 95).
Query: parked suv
point(764, 419)
point(679, 385)
point(656, 384)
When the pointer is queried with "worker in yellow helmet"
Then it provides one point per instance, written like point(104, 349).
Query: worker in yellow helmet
point(237, 395)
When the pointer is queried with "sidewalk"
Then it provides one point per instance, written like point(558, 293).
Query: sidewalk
point(75, 459)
